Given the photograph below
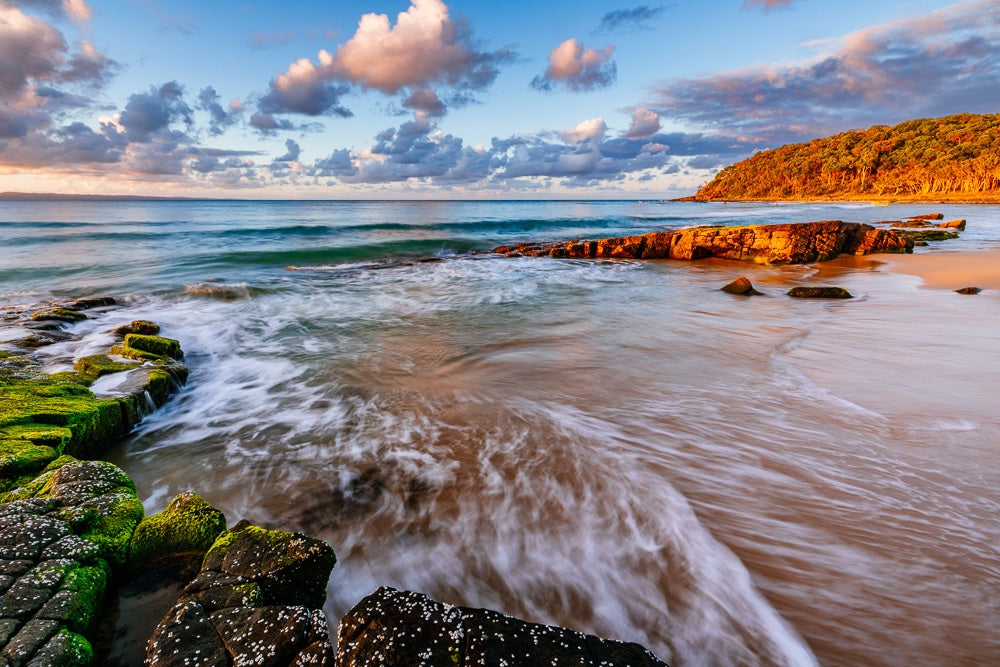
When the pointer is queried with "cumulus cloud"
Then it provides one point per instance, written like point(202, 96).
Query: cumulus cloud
point(291, 153)
point(35, 62)
point(578, 68)
point(151, 113)
point(637, 18)
point(425, 48)
point(937, 64)
point(588, 130)
point(644, 123)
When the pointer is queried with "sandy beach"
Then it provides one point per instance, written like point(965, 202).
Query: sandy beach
point(949, 269)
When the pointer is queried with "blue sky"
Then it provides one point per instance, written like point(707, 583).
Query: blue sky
point(441, 99)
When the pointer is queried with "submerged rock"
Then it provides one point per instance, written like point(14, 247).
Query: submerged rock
point(741, 285)
point(59, 314)
point(392, 628)
point(953, 224)
point(257, 600)
point(969, 290)
point(921, 236)
point(794, 243)
point(819, 293)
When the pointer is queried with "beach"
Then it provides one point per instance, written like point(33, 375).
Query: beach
point(614, 446)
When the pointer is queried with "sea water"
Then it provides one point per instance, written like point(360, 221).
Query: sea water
point(613, 446)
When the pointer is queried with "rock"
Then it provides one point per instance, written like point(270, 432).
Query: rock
point(392, 628)
point(910, 223)
point(97, 365)
point(768, 244)
point(257, 600)
point(923, 235)
point(928, 216)
point(953, 224)
point(92, 302)
point(59, 536)
point(819, 293)
point(144, 327)
point(59, 314)
point(187, 527)
point(156, 347)
point(741, 285)
point(969, 290)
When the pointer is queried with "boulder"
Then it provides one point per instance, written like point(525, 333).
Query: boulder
point(741, 285)
point(969, 290)
point(927, 216)
point(143, 327)
point(58, 314)
point(819, 293)
point(257, 600)
point(187, 527)
point(392, 628)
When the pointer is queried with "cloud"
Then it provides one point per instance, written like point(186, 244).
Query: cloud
point(267, 40)
point(151, 113)
point(578, 68)
point(588, 130)
point(292, 152)
point(220, 118)
point(644, 123)
point(75, 10)
point(35, 62)
point(766, 4)
point(636, 18)
point(941, 63)
point(426, 48)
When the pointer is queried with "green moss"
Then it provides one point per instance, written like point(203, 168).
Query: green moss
point(87, 586)
point(132, 353)
point(162, 347)
point(189, 525)
point(60, 314)
point(21, 457)
point(143, 327)
point(97, 365)
point(66, 649)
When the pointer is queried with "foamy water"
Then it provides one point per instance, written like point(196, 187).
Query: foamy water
point(616, 447)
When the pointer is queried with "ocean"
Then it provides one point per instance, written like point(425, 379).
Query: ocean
point(613, 446)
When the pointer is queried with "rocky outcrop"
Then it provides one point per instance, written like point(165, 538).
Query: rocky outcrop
point(60, 537)
point(794, 243)
point(969, 290)
point(392, 628)
point(953, 224)
point(257, 600)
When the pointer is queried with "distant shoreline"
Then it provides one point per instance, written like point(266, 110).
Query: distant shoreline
point(977, 198)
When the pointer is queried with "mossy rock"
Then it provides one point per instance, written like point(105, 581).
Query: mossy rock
point(59, 314)
point(132, 353)
point(97, 365)
point(188, 526)
point(291, 568)
point(144, 327)
point(803, 292)
point(19, 457)
point(157, 345)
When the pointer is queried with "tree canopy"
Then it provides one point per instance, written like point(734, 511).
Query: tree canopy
point(935, 157)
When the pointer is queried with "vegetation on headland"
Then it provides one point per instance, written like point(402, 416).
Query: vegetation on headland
point(954, 158)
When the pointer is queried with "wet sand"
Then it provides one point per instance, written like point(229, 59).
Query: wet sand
point(949, 269)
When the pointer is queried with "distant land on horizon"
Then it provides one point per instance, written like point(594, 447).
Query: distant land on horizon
point(949, 159)
point(55, 196)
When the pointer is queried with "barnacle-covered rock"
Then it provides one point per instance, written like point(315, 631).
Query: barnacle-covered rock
point(257, 600)
point(392, 628)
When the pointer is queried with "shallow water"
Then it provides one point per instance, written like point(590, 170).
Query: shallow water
point(616, 447)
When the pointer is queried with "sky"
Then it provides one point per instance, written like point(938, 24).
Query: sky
point(453, 99)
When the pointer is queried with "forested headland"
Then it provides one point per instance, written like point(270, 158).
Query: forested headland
point(954, 158)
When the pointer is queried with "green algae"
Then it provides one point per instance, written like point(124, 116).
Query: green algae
point(189, 525)
point(144, 327)
point(59, 314)
point(97, 365)
point(155, 345)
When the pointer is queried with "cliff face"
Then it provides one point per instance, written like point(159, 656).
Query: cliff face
point(954, 157)
point(765, 244)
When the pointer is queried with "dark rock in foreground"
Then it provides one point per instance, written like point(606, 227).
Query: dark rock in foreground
point(742, 286)
point(257, 601)
point(794, 243)
point(819, 293)
point(969, 290)
point(391, 628)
